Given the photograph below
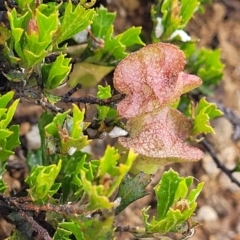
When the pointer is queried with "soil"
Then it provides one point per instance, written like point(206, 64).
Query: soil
point(218, 205)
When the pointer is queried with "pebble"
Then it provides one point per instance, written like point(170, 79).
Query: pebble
point(207, 213)
point(33, 138)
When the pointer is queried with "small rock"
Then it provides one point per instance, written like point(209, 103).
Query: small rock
point(207, 213)
point(33, 138)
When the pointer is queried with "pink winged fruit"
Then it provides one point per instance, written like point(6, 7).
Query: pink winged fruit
point(152, 79)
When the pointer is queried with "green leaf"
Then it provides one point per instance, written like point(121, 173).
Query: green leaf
point(34, 52)
point(181, 191)
point(131, 37)
point(6, 98)
point(34, 158)
point(41, 182)
point(8, 118)
point(5, 133)
point(102, 22)
point(71, 134)
point(195, 193)
point(131, 189)
point(47, 25)
point(52, 98)
point(71, 182)
point(17, 25)
point(97, 198)
point(57, 123)
point(175, 15)
point(104, 92)
point(187, 10)
point(171, 20)
point(62, 234)
point(39, 40)
point(102, 112)
point(211, 68)
point(3, 185)
point(88, 74)
point(72, 227)
point(85, 228)
point(22, 4)
point(55, 73)
point(165, 192)
point(13, 141)
point(204, 112)
point(45, 119)
point(4, 152)
point(74, 20)
point(108, 165)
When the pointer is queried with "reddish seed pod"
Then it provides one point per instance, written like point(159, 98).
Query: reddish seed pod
point(152, 78)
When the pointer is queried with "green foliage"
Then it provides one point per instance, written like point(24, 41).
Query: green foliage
point(206, 64)
point(86, 229)
point(74, 20)
point(103, 93)
point(176, 204)
point(41, 182)
point(204, 112)
point(55, 73)
point(107, 172)
point(9, 135)
point(64, 134)
point(114, 48)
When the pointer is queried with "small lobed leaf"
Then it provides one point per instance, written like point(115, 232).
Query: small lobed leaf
point(17, 25)
point(55, 73)
point(204, 112)
point(86, 228)
point(109, 166)
point(102, 22)
point(113, 48)
point(96, 193)
point(41, 182)
point(47, 25)
point(75, 19)
point(104, 92)
point(108, 163)
point(131, 37)
point(52, 128)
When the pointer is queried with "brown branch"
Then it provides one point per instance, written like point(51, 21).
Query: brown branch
point(134, 230)
point(23, 205)
point(219, 164)
point(93, 100)
point(35, 226)
point(72, 91)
